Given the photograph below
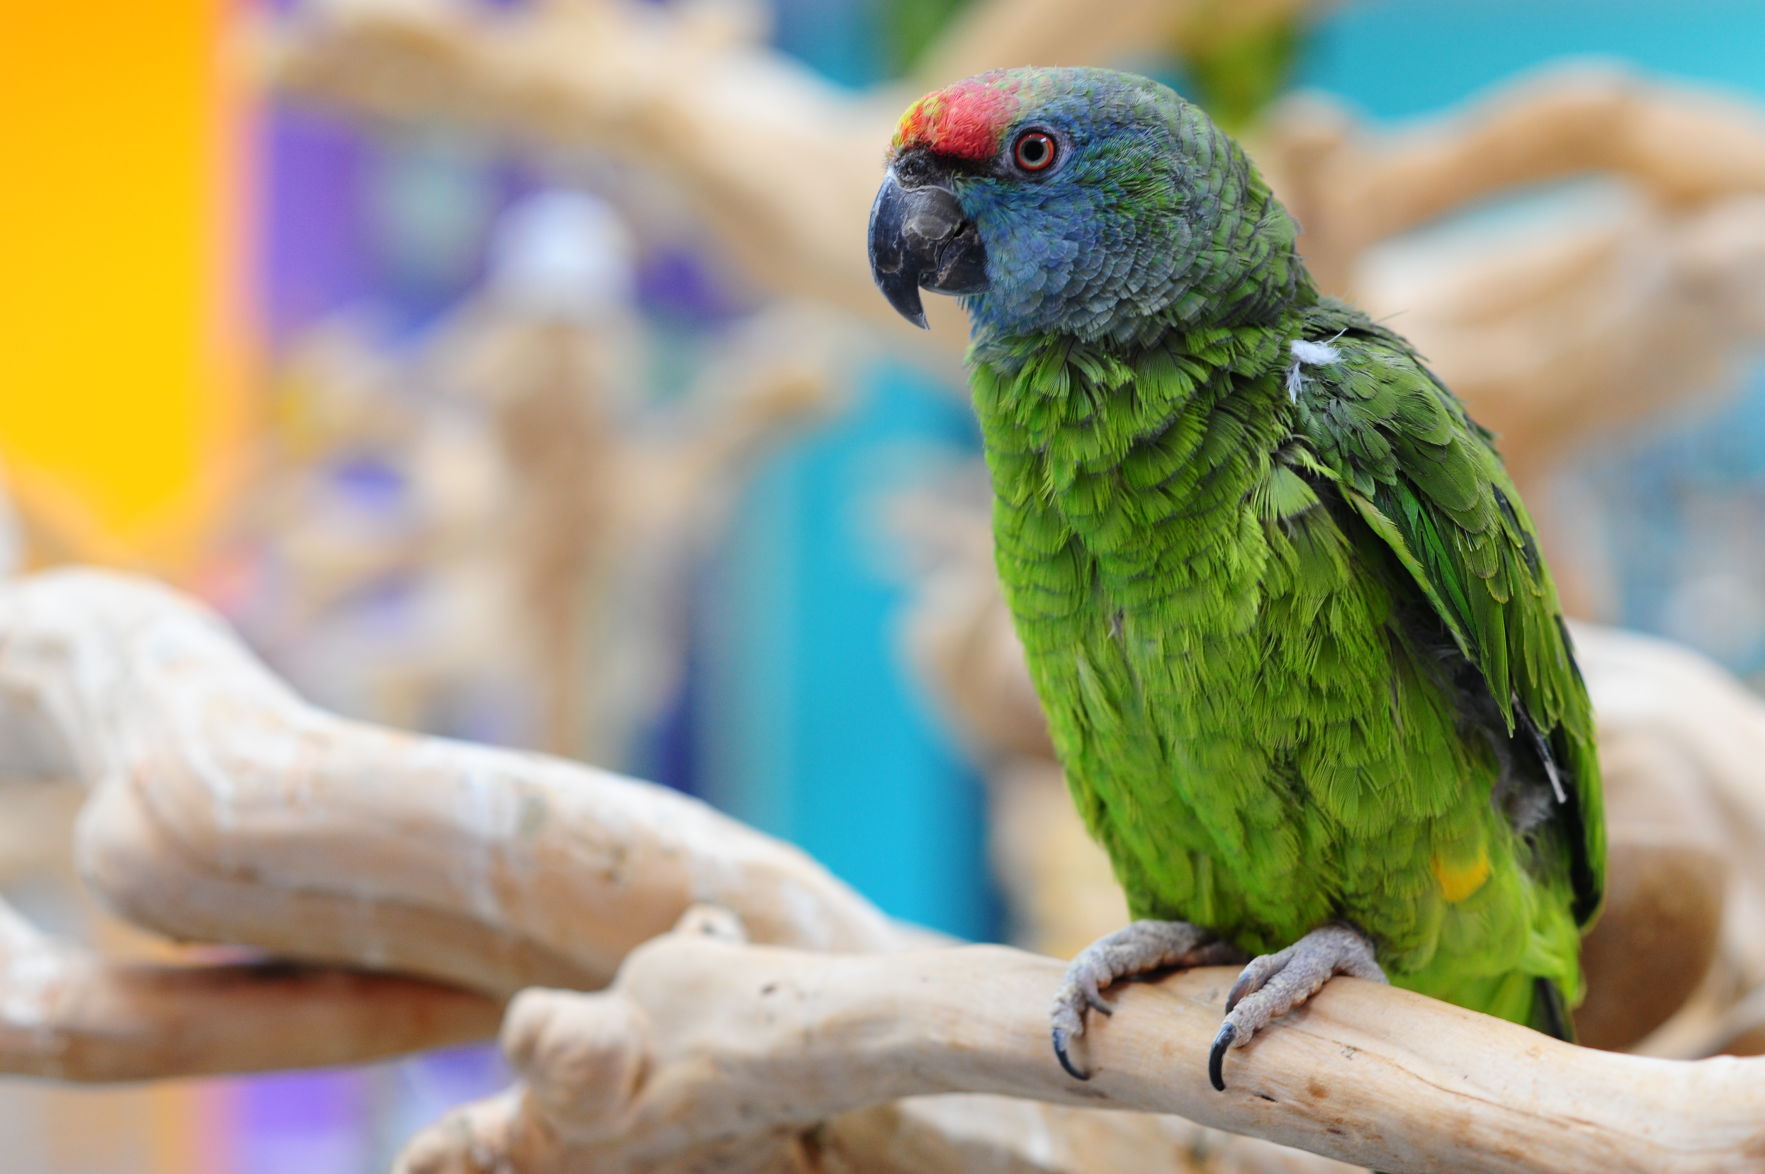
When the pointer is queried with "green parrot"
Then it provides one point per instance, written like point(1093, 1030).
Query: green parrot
point(1285, 611)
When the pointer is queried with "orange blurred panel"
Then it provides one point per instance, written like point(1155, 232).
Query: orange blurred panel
point(121, 335)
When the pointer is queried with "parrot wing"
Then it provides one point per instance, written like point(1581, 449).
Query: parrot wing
point(1426, 479)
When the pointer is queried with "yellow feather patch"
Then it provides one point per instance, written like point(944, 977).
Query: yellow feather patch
point(1458, 881)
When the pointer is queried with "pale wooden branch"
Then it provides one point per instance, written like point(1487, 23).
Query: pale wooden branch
point(225, 809)
point(566, 529)
point(630, 1081)
point(1351, 188)
point(704, 1043)
point(72, 1015)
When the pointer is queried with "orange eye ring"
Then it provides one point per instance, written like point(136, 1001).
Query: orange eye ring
point(1034, 150)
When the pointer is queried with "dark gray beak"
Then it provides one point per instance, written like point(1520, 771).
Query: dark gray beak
point(920, 240)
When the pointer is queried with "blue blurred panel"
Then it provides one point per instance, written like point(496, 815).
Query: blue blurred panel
point(815, 729)
point(1687, 504)
point(842, 39)
point(1396, 58)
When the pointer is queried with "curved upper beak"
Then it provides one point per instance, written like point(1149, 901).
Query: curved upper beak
point(919, 239)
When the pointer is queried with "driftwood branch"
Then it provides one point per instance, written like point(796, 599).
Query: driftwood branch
point(1682, 146)
point(607, 76)
point(704, 1044)
point(69, 1014)
point(225, 809)
point(564, 524)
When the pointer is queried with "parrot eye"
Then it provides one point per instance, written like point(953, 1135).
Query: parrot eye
point(1033, 151)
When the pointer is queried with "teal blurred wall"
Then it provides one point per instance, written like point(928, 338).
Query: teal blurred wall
point(1397, 58)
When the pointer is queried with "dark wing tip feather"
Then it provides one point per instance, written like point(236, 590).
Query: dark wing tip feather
point(1550, 1010)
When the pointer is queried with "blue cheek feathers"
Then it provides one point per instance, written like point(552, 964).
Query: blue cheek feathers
point(1041, 261)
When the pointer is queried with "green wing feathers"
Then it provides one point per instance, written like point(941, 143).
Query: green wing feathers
point(1427, 481)
point(1299, 656)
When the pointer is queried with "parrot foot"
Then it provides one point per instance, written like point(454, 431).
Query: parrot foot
point(1138, 948)
point(1274, 984)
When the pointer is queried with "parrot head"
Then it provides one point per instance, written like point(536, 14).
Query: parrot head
point(1077, 201)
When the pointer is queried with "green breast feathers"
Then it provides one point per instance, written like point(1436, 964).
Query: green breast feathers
point(1297, 649)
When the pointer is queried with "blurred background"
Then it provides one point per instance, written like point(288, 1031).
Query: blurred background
point(511, 372)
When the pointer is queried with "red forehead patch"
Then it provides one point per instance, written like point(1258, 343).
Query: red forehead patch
point(966, 120)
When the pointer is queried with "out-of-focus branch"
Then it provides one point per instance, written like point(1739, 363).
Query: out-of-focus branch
point(1553, 329)
point(1351, 188)
point(69, 1014)
point(1548, 336)
point(778, 162)
point(1681, 743)
point(710, 1049)
point(225, 809)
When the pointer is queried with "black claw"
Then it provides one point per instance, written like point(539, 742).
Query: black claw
point(1238, 991)
point(1065, 1062)
point(1216, 1059)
